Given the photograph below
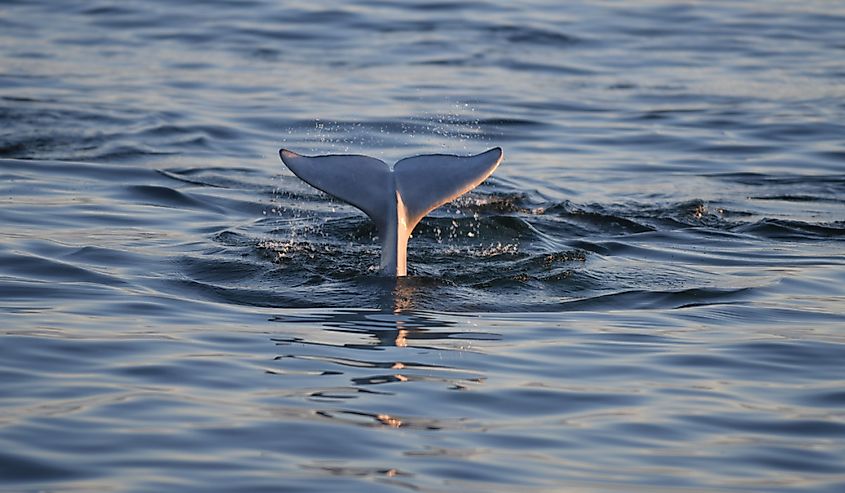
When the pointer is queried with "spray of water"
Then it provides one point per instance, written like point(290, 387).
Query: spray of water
point(454, 129)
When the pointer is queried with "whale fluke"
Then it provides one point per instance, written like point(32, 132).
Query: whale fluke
point(395, 199)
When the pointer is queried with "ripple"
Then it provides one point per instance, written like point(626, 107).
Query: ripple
point(43, 269)
point(16, 468)
point(165, 197)
point(646, 296)
point(783, 229)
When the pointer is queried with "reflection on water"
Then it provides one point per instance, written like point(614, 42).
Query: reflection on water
point(402, 295)
point(414, 329)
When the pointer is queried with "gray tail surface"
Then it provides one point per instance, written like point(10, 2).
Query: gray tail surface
point(396, 200)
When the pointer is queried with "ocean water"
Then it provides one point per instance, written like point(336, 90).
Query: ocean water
point(648, 294)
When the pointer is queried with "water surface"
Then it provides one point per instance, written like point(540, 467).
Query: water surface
point(648, 294)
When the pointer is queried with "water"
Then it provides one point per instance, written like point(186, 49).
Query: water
point(648, 295)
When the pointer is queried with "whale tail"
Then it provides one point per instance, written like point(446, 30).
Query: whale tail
point(395, 199)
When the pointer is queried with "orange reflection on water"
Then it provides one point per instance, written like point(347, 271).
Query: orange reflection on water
point(401, 337)
point(389, 420)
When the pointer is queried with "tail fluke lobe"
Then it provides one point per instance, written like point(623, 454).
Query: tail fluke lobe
point(429, 181)
point(361, 181)
point(395, 199)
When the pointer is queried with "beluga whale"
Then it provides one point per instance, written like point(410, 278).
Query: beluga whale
point(396, 198)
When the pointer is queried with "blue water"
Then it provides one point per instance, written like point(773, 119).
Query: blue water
point(648, 294)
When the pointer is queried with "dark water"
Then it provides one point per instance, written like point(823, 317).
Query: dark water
point(648, 295)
